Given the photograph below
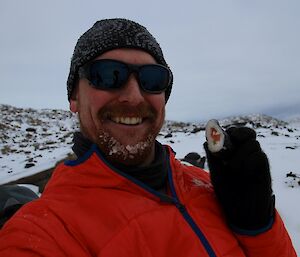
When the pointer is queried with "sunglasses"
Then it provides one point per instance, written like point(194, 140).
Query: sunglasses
point(106, 74)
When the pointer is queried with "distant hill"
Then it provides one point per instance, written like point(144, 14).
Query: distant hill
point(26, 131)
point(253, 121)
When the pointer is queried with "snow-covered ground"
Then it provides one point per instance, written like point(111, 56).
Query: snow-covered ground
point(34, 140)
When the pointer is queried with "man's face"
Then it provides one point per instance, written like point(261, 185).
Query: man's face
point(123, 122)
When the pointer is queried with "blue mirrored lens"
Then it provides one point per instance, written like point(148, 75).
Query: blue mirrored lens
point(154, 78)
point(108, 74)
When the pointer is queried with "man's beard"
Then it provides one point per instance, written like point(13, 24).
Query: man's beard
point(135, 153)
point(130, 155)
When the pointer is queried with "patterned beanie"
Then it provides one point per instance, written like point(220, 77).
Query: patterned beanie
point(110, 34)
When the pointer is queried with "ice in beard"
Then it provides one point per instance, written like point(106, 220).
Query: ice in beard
point(127, 154)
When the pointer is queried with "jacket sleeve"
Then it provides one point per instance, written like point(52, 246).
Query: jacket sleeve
point(27, 234)
point(274, 242)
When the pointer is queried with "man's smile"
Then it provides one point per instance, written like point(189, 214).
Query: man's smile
point(126, 120)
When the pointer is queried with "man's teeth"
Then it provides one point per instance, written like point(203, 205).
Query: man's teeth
point(127, 120)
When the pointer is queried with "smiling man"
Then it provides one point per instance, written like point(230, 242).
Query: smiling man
point(126, 194)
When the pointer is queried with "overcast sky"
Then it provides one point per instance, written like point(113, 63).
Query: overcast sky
point(228, 57)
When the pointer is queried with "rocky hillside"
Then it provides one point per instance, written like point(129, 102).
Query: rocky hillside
point(32, 140)
point(28, 130)
point(253, 121)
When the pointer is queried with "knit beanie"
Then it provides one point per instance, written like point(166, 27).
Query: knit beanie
point(110, 34)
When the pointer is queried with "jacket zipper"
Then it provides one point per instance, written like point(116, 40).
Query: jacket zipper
point(188, 217)
point(196, 229)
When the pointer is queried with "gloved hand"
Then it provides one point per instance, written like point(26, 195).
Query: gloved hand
point(242, 182)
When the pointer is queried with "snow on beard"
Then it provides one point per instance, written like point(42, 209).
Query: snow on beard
point(128, 154)
point(116, 152)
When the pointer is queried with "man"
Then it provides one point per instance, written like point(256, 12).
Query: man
point(126, 194)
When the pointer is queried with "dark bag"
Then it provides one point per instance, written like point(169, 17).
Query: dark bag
point(12, 198)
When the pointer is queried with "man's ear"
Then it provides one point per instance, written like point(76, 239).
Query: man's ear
point(74, 100)
point(73, 106)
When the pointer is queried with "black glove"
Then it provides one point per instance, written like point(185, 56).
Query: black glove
point(242, 181)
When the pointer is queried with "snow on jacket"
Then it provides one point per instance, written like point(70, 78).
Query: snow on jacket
point(91, 209)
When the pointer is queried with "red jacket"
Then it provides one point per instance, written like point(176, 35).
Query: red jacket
point(90, 209)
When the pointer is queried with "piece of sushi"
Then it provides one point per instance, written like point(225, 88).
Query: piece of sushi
point(217, 138)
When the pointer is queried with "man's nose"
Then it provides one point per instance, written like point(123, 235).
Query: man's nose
point(131, 92)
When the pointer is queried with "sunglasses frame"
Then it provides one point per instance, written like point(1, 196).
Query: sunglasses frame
point(84, 72)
